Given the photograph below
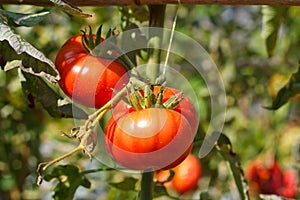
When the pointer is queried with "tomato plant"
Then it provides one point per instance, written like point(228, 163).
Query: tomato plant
point(87, 78)
point(186, 175)
point(153, 137)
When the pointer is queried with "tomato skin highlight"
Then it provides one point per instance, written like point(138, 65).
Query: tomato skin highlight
point(153, 138)
point(85, 78)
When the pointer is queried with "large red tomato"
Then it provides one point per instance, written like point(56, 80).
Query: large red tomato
point(185, 107)
point(86, 78)
point(153, 138)
point(186, 175)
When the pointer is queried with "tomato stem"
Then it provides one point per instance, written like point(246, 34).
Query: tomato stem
point(157, 16)
point(147, 185)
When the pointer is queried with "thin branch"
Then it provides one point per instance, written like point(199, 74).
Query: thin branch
point(156, 2)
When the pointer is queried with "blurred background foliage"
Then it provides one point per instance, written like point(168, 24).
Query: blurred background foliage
point(232, 37)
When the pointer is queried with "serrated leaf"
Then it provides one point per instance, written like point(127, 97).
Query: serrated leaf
point(272, 19)
point(36, 90)
point(21, 19)
point(14, 47)
point(127, 184)
point(291, 89)
point(69, 179)
point(69, 8)
point(224, 147)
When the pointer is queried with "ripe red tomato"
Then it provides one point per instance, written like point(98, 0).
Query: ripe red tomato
point(85, 78)
point(185, 107)
point(271, 179)
point(186, 175)
point(153, 138)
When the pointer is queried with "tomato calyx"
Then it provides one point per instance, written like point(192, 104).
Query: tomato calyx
point(97, 46)
point(144, 99)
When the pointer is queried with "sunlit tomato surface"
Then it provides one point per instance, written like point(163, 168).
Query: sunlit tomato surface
point(185, 107)
point(186, 175)
point(264, 179)
point(85, 78)
point(153, 138)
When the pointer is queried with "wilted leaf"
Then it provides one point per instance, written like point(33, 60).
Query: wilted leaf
point(14, 47)
point(21, 19)
point(36, 90)
point(69, 8)
point(69, 179)
point(224, 147)
point(289, 90)
point(272, 18)
point(127, 184)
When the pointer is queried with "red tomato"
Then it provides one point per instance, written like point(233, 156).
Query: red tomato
point(153, 138)
point(85, 78)
point(185, 107)
point(186, 175)
point(272, 179)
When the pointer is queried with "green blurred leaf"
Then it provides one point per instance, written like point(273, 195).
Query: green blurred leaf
point(130, 13)
point(20, 19)
point(205, 196)
point(37, 90)
point(272, 19)
point(159, 191)
point(224, 147)
point(289, 90)
point(14, 47)
point(70, 9)
point(127, 184)
point(70, 178)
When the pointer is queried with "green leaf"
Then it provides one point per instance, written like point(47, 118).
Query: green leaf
point(205, 196)
point(289, 90)
point(69, 8)
point(272, 19)
point(160, 191)
point(37, 90)
point(20, 19)
point(224, 147)
point(14, 47)
point(127, 184)
point(69, 179)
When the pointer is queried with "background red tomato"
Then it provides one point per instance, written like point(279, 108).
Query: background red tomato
point(271, 179)
point(186, 175)
point(85, 78)
point(154, 138)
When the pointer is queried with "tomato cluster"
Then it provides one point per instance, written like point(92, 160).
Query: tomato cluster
point(152, 138)
point(86, 78)
point(186, 175)
point(271, 179)
point(159, 136)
